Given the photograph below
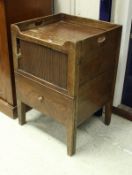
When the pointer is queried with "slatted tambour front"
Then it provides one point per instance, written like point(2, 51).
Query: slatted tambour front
point(53, 64)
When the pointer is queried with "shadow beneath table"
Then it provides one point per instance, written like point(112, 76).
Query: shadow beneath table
point(47, 125)
point(56, 130)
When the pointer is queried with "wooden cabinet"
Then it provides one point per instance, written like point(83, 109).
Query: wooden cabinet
point(11, 12)
point(65, 67)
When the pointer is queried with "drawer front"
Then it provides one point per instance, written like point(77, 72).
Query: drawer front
point(99, 55)
point(44, 63)
point(44, 99)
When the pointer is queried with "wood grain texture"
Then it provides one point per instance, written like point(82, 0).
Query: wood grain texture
point(53, 64)
point(8, 109)
point(44, 99)
point(95, 54)
point(123, 111)
point(61, 31)
point(87, 52)
point(11, 12)
point(21, 112)
point(6, 84)
point(89, 22)
point(93, 95)
point(108, 112)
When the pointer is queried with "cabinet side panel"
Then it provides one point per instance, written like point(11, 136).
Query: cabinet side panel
point(5, 81)
point(97, 72)
point(27, 9)
point(15, 11)
point(94, 94)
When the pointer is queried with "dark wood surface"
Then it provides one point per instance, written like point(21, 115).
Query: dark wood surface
point(88, 48)
point(11, 12)
point(62, 31)
point(44, 99)
point(6, 89)
point(27, 63)
point(123, 111)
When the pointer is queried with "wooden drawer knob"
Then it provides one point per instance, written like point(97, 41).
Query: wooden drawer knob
point(40, 98)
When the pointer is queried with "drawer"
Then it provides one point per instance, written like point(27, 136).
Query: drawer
point(46, 100)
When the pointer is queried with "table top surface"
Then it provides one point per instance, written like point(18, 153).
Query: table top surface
point(62, 31)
